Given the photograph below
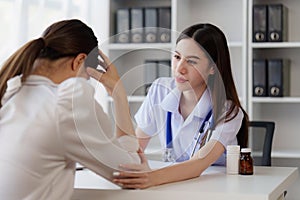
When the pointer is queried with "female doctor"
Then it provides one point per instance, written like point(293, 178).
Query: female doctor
point(49, 119)
point(196, 113)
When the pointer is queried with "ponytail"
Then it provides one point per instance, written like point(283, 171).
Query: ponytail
point(21, 62)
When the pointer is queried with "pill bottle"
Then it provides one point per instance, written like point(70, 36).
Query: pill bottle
point(232, 159)
point(246, 162)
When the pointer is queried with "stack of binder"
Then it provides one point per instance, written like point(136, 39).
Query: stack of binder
point(271, 77)
point(138, 25)
point(155, 69)
point(269, 23)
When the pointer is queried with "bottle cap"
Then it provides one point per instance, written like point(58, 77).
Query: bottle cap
point(233, 148)
point(246, 150)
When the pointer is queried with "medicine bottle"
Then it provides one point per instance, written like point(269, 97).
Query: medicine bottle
point(246, 162)
point(232, 159)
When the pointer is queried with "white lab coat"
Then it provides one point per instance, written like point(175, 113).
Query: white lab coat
point(45, 129)
point(163, 96)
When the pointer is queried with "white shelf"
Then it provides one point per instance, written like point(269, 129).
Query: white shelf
point(130, 46)
point(285, 154)
point(276, 45)
point(276, 99)
point(235, 44)
point(280, 154)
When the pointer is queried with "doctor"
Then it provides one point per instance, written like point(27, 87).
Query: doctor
point(195, 114)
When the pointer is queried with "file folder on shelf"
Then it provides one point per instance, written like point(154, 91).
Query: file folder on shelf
point(164, 68)
point(164, 24)
point(259, 23)
point(259, 75)
point(277, 23)
point(122, 25)
point(150, 74)
point(150, 30)
point(278, 77)
point(137, 25)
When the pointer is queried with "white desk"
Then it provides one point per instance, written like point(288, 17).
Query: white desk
point(267, 183)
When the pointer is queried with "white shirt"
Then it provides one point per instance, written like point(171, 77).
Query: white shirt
point(163, 96)
point(45, 129)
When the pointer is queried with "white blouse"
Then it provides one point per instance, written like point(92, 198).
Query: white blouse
point(45, 129)
point(163, 97)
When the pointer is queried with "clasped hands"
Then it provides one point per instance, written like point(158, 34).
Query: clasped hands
point(134, 176)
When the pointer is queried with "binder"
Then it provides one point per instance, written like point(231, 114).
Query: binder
point(164, 68)
point(151, 23)
point(137, 24)
point(277, 23)
point(122, 25)
point(259, 23)
point(259, 75)
point(150, 73)
point(279, 77)
point(164, 24)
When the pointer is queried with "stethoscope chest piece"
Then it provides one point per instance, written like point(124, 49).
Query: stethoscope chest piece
point(168, 155)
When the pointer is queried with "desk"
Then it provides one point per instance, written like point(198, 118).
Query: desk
point(267, 183)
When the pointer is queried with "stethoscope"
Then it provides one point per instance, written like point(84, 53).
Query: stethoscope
point(168, 154)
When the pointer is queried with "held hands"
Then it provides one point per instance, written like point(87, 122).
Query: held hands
point(134, 176)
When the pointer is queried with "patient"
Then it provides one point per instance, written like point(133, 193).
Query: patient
point(49, 119)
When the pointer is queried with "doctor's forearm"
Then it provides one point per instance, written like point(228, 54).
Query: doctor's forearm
point(178, 172)
point(191, 168)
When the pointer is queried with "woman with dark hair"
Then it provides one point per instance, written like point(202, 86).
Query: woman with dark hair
point(49, 119)
point(196, 113)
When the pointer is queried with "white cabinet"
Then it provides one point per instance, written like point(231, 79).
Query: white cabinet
point(283, 110)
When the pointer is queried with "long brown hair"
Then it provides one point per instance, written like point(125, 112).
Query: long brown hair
point(61, 39)
point(221, 84)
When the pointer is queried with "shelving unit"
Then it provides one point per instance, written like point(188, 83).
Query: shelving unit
point(129, 58)
point(283, 110)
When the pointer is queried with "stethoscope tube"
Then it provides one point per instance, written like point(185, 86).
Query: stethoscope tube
point(169, 146)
